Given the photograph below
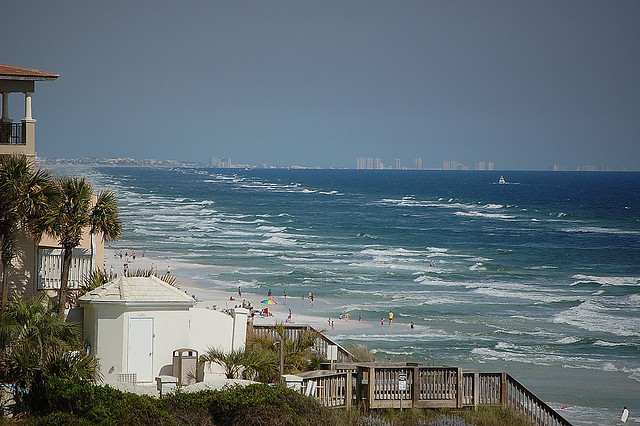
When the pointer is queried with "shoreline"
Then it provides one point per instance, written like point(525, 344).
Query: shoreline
point(208, 298)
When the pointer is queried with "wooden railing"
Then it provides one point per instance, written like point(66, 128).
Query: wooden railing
point(322, 342)
point(377, 385)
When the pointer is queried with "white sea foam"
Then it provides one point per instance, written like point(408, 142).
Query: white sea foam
point(568, 340)
point(272, 228)
point(392, 252)
point(600, 230)
point(593, 316)
point(523, 293)
point(607, 344)
point(478, 266)
point(484, 215)
point(610, 281)
point(280, 240)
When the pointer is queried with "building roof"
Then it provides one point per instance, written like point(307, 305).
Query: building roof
point(148, 291)
point(13, 72)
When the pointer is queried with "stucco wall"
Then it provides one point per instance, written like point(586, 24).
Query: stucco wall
point(107, 329)
point(21, 276)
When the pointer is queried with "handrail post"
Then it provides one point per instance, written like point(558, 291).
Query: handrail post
point(415, 386)
point(348, 392)
point(503, 389)
point(372, 387)
point(360, 385)
point(476, 390)
point(460, 391)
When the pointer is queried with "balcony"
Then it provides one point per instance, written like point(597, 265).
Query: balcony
point(12, 134)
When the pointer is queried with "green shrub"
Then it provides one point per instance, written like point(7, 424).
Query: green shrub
point(58, 419)
point(257, 404)
point(103, 405)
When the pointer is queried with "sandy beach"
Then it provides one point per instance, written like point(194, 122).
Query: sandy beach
point(216, 298)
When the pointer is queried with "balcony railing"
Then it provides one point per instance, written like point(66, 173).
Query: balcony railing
point(12, 134)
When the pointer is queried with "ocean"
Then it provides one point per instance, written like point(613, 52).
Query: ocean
point(538, 277)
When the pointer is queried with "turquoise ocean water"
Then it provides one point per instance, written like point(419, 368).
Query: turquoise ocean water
point(539, 277)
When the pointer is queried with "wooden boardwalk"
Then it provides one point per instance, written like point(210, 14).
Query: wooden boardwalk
point(404, 385)
point(384, 385)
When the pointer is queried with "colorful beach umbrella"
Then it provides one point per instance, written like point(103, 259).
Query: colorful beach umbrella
point(269, 302)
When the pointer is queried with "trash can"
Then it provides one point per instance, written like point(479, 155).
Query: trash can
point(185, 366)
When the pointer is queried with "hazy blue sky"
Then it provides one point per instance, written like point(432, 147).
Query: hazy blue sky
point(526, 84)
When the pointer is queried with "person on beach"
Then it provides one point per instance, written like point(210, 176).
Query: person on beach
point(360, 317)
point(390, 317)
point(240, 291)
point(169, 270)
point(284, 293)
point(381, 321)
point(269, 294)
point(412, 325)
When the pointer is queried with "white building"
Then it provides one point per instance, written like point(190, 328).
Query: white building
point(133, 325)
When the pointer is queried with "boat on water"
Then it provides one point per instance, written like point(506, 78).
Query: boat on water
point(501, 180)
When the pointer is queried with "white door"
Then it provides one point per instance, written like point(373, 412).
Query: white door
point(140, 352)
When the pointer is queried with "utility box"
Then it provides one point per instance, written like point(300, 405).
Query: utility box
point(185, 366)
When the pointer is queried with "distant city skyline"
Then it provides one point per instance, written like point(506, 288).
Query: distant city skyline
point(227, 163)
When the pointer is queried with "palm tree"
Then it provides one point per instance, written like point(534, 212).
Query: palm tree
point(24, 196)
point(246, 363)
point(297, 351)
point(72, 215)
point(35, 344)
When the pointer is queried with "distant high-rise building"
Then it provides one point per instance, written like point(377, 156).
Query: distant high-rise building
point(491, 165)
point(397, 164)
point(362, 163)
point(418, 163)
point(379, 164)
point(480, 165)
point(221, 163)
point(369, 163)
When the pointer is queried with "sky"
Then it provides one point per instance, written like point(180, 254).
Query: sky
point(523, 84)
